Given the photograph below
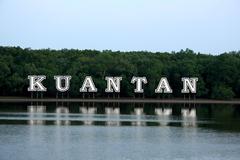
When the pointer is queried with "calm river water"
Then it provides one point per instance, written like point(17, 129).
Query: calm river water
point(121, 132)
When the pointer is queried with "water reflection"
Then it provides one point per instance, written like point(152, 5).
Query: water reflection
point(163, 115)
point(121, 115)
point(138, 112)
point(189, 117)
point(112, 113)
point(35, 115)
point(62, 113)
point(89, 114)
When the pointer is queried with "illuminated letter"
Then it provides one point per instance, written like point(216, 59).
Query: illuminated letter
point(139, 81)
point(59, 86)
point(113, 83)
point(35, 83)
point(189, 85)
point(163, 86)
point(88, 85)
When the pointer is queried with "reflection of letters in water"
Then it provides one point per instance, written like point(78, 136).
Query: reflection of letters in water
point(112, 84)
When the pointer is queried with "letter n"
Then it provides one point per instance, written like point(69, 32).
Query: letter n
point(189, 85)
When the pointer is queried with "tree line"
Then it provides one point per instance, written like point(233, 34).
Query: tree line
point(218, 75)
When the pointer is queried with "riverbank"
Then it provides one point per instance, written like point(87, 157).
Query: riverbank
point(119, 100)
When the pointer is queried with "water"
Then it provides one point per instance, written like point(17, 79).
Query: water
point(122, 133)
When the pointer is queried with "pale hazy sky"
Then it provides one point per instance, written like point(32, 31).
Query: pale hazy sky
point(208, 26)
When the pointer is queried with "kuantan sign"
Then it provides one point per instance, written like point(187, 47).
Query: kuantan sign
point(113, 84)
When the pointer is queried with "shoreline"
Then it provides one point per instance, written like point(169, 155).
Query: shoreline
point(118, 100)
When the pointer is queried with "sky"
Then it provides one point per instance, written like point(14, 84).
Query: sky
point(206, 26)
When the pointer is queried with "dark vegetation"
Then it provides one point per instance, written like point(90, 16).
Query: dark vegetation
point(219, 76)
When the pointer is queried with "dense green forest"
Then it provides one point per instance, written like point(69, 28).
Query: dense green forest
point(219, 76)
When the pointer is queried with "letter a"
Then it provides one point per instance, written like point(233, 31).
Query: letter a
point(88, 85)
point(163, 86)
